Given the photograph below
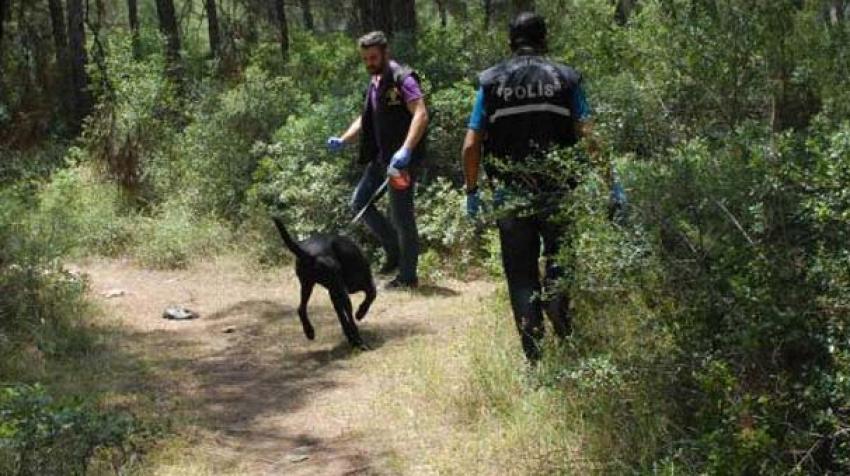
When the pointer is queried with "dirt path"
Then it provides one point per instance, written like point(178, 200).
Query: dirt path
point(252, 395)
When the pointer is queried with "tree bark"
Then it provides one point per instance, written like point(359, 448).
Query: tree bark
point(133, 12)
point(441, 9)
point(404, 16)
point(836, 12)
point(376, 15)
point(488, 13)
point(79, 77)
point(212, 27)
point(283, 28)
point(522, 6)
point(168, 26)
point(60, 38)
point(307, 15)
point(63, 64)
point(4, 14)
point(624, 10)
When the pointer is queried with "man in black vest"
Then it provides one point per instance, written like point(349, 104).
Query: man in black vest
point(526, 106)
point(391, 131)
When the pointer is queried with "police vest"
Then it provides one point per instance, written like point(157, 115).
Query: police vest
point(529, 108)
point(384, 132)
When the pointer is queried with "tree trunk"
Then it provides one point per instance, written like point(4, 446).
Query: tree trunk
point(404, 16)
point(283, 29)
point(307, 14)
point(133, 12)
point(60, 38)
point(441, 9)
point(4, 8)
point(376, 15)
point(168, 26)
point(63, 65)
point(522, 6)
point(836, 12)
point(488, 13)
point(624, 10)
point(792, 105)
point(79, 77)
point(99, 50)
point(4, 13)
point(212, 24)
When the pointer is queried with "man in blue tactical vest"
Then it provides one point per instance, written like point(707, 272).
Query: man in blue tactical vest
point(526, 106)
point(391, 130)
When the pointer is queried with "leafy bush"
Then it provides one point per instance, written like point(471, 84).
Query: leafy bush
point(134, 121)
point(40, 302)
point(39, 435)
point(716, 305)
point(175, 234)
point(324, 65)
point(84, 213)
point(312, 184)
point(444, 227)
point(449, 111)
point(211, 163)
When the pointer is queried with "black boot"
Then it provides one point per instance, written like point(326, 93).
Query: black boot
point(388, 267)
point(401, 284)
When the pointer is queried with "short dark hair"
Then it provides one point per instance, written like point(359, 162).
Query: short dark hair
point(374, 38)
point(528, 30)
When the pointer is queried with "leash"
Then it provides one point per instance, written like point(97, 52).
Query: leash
point(374, 198)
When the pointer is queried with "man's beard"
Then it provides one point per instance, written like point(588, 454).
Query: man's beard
point(378, 69)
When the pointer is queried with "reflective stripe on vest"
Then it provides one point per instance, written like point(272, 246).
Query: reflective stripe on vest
point(512, 111)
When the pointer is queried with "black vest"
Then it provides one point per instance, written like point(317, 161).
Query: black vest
point(392, 119)
point(528, 102)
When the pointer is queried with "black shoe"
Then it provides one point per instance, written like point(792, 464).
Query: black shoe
point(401, 285)
point(388, 267)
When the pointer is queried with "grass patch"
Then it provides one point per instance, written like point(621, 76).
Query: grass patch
point(174, 236)
point(473, 407)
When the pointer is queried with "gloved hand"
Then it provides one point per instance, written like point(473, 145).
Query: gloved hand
point(401, 158)
point(473, 204)
point(618, 202)
point(335, 144)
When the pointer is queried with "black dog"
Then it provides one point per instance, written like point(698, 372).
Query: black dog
point(338, 264)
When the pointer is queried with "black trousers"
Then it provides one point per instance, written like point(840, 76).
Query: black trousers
point(521, 239)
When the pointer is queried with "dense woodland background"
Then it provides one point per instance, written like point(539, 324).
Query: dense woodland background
point(712, 329)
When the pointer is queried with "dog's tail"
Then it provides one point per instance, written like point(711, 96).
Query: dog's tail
point(290, 242)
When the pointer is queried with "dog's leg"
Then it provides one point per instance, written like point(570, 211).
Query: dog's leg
point(364, 306)
point(342, 305)
point(306, 291)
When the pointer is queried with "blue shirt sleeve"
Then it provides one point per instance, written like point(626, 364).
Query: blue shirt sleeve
point(580, 105)
point(478, 117)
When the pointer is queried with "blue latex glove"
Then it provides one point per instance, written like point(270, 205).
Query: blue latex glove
point(618, 201)
point(473, 204)
point(401, 158)
point(500, 197)
point(335, 144)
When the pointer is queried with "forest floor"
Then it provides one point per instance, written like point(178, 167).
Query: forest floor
point(246, 393)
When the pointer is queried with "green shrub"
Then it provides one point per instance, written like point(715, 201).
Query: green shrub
point(313, 185)
point(40, 302)
point(444, 227)
point(211, 162)
point(175, 234)
point(135, 121)
point(324, 65)
point(449, 111)
point(85, 214)
point(716, 302)
point(39, 435)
